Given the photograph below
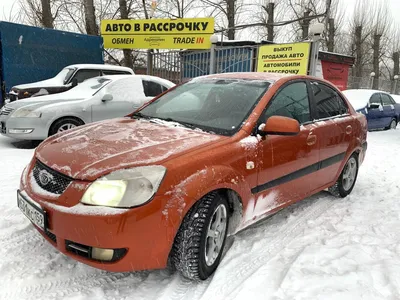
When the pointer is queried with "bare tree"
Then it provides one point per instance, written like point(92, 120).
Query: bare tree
point(90, 17)
point(361, 28)
point(269, 13)
point(178, 8)
point(381, 27)
point(226, 10)
point(39, 13)
point(128, 61)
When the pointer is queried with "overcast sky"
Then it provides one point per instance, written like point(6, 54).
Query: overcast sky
point(7, 5)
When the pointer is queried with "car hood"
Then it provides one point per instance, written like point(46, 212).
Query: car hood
point(94, 150)
point(37, 102)
point(52, 82)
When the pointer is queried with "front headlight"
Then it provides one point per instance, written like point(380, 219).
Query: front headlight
point(26, 113)
point(125, 188)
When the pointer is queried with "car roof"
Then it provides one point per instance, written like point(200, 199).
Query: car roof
point(100, 67)
point(148, 77)
point(250, 75)
point(363, 92)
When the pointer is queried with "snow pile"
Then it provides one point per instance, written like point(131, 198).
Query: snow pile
point(249, 143)
point(321, 248)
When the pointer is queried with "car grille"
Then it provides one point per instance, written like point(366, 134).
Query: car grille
point(5, 111)
point(50, 180)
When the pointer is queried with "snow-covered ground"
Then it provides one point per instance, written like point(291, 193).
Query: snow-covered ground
point(322, 248)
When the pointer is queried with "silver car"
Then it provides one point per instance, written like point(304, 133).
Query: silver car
point(93, 100)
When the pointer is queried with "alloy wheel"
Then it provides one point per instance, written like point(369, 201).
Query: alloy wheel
point(215, 234)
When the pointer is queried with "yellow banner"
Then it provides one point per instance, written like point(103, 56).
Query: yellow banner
point(158, 33)
point(195, 41)
point(284, 58)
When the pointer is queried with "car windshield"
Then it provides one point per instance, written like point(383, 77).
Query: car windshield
point(88, 88)
point(216, 105)
point(65, 74)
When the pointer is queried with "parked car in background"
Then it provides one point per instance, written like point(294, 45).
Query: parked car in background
point(170, 182)
point(66, 79)
point(379, 107)
point(95, 99)
point(396, 98)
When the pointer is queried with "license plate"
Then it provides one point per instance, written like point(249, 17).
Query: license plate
point(35, 214)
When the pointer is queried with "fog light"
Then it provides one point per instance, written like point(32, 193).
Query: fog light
point(16, 130)
point(102, 254)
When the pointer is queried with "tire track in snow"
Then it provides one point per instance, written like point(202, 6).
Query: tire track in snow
point(252, 261)
point(50, 289)
point(18, 238)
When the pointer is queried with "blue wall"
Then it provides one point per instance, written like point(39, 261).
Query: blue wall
point(31, 54)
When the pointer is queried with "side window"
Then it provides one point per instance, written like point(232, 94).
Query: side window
point(329, 103)
point(375, 99)
point(151, 89)
point(386, 100)
point(113, 72)
point(82, 75)
point(292, 101)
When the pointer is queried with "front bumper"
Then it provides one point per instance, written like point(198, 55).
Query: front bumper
point(145, 232)
point(35, 128)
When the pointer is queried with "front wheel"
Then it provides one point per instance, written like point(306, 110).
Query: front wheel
point(200, 241)
point(64, 125)
point(347, 178)
point(393, 124)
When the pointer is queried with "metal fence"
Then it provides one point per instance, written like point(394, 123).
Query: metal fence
point(180, 66)
point(367, 83)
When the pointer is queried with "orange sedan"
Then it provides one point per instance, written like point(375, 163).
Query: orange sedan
point(166, 184)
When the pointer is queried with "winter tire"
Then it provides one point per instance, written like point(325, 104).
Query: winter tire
point(347, 178)
point(393, 124)
point(64, 124)
point(200, 241)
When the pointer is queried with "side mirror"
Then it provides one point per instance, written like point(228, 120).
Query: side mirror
point(74, 82)
point(374, 105)
point(277, 125)
point(107, 97)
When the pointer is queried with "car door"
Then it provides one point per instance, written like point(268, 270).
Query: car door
point(335, 128)
point(287, 163)
point(127, 95)
point(374, 114)
point(389, 112)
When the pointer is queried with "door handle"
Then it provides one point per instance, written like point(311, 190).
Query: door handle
point(311, 140)
point(349, 129)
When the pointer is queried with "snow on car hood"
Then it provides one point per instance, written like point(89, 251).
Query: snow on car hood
point(91, 151)
point(358, 98)
point(52, 82)
point(37, 102)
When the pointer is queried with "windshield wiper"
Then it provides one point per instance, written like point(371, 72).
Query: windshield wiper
point(140, 115)
point(188, 125)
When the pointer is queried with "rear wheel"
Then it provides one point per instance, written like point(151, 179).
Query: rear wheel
point(200, 240)
point(347, 178)
point(393, 124)
point(64, 125)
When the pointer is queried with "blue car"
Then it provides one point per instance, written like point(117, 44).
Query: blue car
point(379, 107)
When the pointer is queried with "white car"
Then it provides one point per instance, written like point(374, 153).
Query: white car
point(93, 100)
point(66, 79)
